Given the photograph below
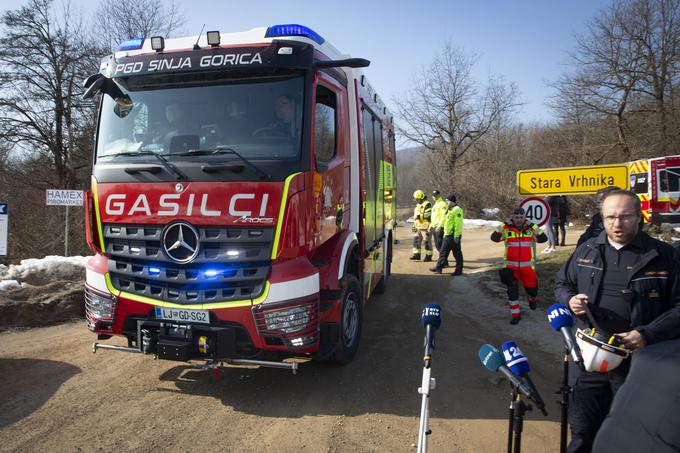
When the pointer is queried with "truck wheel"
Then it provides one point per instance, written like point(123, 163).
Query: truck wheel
point(351, 319)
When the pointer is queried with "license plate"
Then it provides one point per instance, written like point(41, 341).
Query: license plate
point(182, 315)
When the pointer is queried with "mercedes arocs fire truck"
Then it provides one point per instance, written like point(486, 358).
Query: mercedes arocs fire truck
point(242, 200)
point(656, 182)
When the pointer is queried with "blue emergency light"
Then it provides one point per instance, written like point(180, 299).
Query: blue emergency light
point(131, 44)
point(277, 31)
point(154, 271)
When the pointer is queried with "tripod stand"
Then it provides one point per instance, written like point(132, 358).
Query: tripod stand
point(516, 421)
point(427, 384)
point(564, 391)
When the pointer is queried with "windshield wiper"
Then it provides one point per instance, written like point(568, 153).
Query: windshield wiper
point(214, 151)
point(180, 175)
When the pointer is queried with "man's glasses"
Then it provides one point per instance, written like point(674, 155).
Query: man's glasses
point(624, 218)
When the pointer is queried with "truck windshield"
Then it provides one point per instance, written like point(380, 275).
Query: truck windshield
point(261, 117)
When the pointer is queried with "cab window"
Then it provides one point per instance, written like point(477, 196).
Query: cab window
point(324, 126)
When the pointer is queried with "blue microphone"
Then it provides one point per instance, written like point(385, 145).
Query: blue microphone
point(514, 359)
point(432, 316)
point(493, 361)
point(519, 365)
point(431, 320)
point(561, 320)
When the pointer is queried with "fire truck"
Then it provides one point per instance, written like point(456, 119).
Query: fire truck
point(241, 208)
point(657, 183)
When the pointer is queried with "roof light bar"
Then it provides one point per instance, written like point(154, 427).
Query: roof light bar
point(157, 43)
point(281, 30)
point(131, 44)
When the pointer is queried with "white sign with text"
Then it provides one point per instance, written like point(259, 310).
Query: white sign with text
point(59, 197)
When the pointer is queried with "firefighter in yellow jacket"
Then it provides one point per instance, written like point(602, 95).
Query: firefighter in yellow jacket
point(439, 209)
point(453, 233)
point(422, 215)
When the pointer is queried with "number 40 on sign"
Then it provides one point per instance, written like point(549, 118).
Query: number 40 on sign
point(537, 210)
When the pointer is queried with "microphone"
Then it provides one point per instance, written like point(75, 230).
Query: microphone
point(519, 365)
point(493, 361)
point(561, 320)
point(431, 320)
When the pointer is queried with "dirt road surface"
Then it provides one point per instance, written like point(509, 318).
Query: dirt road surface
point(56, 395)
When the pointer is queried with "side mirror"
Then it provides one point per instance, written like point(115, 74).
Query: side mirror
point(94, 86)
point(348, 62)
point(124, 106)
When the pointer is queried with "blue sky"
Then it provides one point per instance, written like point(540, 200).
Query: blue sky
point(525, 41)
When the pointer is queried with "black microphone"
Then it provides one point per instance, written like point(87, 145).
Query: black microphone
point(519, 365)
point(431, 320)
point(561, 320)
point(492, 359)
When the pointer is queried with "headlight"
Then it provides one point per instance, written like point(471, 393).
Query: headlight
point(98, 306)
point(287, 320)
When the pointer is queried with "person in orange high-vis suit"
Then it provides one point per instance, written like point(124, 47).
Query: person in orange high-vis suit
point(520, 237)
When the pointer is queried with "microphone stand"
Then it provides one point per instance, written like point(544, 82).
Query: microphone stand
point(427, 384)
point(565, 391)
point(516, 421)
point(511, 418)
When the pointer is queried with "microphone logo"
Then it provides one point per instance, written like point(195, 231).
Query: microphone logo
point(431, 310)
point(513, 354)
point(557, 312)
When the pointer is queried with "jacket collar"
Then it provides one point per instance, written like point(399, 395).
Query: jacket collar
point(639, 241)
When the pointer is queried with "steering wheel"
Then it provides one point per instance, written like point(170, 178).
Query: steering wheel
point(269, 132)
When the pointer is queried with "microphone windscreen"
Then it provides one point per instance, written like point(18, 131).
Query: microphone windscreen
point(490, 357)
point(431, 316)
point(560, 316)
point(515, 359)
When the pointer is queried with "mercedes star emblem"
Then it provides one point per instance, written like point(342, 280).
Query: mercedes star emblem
point(180, 242)
point(179, 188)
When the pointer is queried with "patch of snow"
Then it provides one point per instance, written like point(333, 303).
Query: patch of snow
point(490, 212)
point(35, 270)
point(481, 223)
point(7, 285)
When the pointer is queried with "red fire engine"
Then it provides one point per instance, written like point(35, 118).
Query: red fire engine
point(242, 202)
point(657, 183)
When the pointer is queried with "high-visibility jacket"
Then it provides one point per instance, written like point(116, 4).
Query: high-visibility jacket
point(422, 215)
point(453, 222)
point(438, 213)
point(520, 244)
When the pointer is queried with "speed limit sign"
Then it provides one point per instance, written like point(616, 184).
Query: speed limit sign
point(537, 210)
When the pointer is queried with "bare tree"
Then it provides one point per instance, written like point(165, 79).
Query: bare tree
point(43, 59)
point(445, 107)
point(626, 65)
point(125, 19)
point(655, 26)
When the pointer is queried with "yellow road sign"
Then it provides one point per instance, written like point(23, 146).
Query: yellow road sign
point(571, 180)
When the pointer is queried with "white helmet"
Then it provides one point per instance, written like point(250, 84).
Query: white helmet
point(601, 352)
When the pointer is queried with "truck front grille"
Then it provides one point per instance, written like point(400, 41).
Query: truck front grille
point(232, 264)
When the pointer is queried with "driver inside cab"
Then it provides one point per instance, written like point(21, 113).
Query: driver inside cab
point(284, 111)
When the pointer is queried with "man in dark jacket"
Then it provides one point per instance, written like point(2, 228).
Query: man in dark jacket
point(630, 282)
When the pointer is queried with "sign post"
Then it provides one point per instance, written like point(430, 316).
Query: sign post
point(58, 197)
point(537, 210)
point(571, 180)
point(4, 228)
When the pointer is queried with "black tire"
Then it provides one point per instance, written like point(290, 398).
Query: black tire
point(351, 319)
point(382, 284)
